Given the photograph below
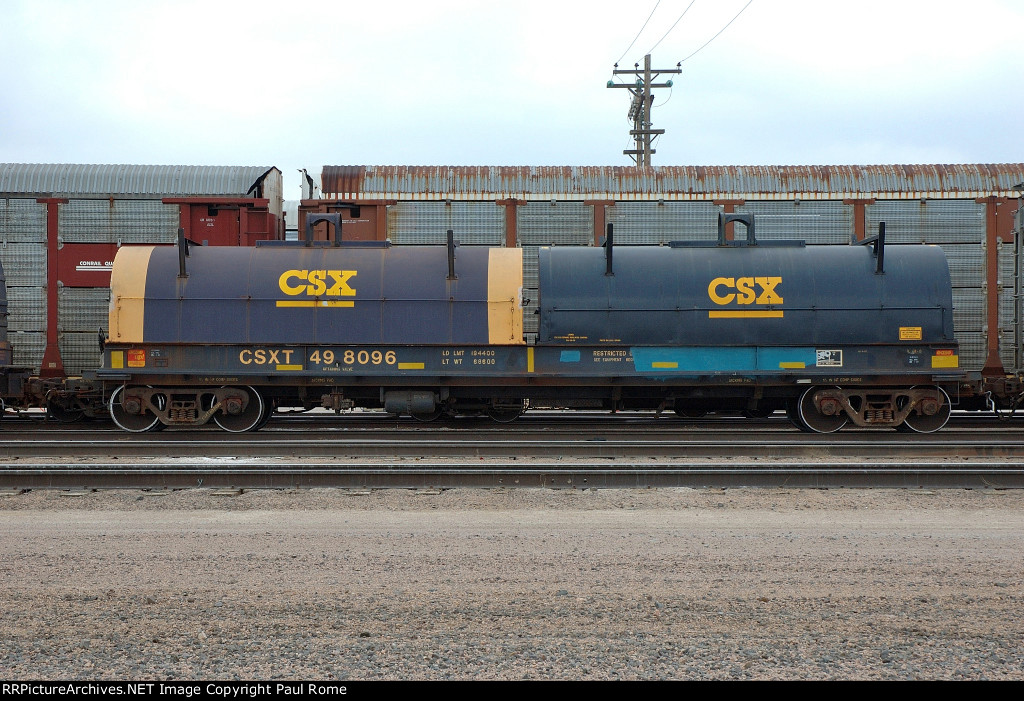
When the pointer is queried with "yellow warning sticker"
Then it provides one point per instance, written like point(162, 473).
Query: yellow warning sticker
point(945, 361)
point(910, 333)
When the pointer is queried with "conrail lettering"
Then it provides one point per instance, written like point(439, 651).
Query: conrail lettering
point(726, 290)
point(330, 283)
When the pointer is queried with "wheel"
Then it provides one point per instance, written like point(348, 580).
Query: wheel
point(793, 412)
point(814, 419)
point(62, 414)
point(248, 419)
point(134, 423)
point(426, 416)
point(504, 415)
point(268, 413)
point(761, 412)
point(685, 413)
point(923, 423)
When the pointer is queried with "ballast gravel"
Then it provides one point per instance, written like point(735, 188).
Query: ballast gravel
point(518, 584)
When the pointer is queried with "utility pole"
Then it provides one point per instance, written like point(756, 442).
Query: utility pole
point(640, 107)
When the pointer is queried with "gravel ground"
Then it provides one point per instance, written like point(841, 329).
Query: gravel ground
point(527, 584)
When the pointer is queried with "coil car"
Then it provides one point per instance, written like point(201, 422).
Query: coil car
point(859, 334)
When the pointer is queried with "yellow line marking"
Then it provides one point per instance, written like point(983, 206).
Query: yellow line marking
point(289, 367)
point(791, 366)
point(410, 366)
point(746, 314)
point(664, 365)
point(314, 303)
point(529, 359)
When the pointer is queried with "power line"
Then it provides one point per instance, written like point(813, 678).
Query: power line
point(666, 99)
point(641, 92)
point(719, 32)
point(672, 27)
point(638, 33)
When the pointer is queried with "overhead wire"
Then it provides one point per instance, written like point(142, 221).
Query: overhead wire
point(673, 26)
point(749, 2)
point(638, 33)
point(671, 88)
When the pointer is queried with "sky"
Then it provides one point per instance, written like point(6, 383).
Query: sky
point(399, 82)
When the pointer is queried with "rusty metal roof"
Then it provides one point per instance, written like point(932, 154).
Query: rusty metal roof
point(671, 182)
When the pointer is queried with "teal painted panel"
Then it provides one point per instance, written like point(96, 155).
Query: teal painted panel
point(721, 359)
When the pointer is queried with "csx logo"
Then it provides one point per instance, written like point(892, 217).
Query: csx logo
point(316, 283)
point(726, 290)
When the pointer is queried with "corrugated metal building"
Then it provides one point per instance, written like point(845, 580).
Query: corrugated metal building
point(60, 225)
point(137, 181)
point(967, 209)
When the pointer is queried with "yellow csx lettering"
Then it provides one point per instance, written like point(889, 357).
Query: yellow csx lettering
point(330, 283)
point(744, 290)
point(262, 356)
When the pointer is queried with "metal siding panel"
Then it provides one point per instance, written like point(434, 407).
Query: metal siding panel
point(3, 310)
point(1006, 304)
point(812, 221)
point(24, 264)
point(474, 223)
point(932, 221)
point(1009, 308)
point(966, 264)
point(531, 290)
point(118, 221)
point(28, 348)
point(654, 223)
point(27, 309)
point(83, 309)
point(22, 221)
point(968, 310)
point(973, 350)
point(561, 223)
point(80, 352)
point(1006, 264)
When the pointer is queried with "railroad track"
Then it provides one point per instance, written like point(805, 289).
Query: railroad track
point(225, 475)
point(571, 453)
point(534, 420)
point(529, 447)
point(552, 436)
point(662, 441)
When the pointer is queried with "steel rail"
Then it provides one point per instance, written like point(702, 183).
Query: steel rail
point(505, 474)
point(735, 447)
